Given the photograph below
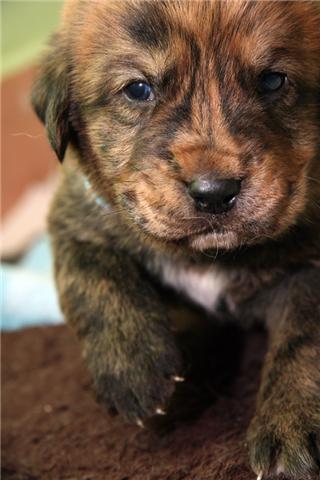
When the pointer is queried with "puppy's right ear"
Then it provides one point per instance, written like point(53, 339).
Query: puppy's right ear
point(51, 96)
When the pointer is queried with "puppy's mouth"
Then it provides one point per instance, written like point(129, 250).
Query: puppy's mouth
point(198, 232)
point(202, 238)
point(204, 233)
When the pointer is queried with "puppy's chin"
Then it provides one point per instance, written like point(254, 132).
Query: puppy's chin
point(214, 240)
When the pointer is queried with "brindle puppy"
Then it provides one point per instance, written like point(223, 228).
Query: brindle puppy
point(193, 163)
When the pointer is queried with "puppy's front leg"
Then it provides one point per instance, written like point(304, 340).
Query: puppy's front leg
point(284, 436)
point(128, 345)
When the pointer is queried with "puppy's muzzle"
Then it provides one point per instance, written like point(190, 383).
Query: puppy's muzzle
point(213, 195)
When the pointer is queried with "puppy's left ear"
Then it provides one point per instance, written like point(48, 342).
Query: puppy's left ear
point(51, 96)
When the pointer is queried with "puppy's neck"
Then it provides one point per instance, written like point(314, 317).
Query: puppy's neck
point(98, 199)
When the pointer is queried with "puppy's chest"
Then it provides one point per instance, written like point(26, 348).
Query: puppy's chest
point(204, 287)
point(207, 287)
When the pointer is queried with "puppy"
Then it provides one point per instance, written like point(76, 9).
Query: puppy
point(193, 165)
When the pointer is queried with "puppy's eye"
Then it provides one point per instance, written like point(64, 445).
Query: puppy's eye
point(140, 91)
point(272, 81)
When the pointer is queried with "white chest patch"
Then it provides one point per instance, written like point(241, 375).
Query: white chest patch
point(203, 286)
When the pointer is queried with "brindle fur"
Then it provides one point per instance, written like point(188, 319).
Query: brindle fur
point(203, 59)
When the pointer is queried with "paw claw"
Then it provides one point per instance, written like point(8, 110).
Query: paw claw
point(177, 378)
point(260, 476)
point(140, 423)
point(160, 411)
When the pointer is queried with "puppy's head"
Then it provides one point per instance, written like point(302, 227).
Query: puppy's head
point(200, 120)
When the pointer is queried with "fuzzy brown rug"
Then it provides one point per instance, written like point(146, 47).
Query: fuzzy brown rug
point(52, 427)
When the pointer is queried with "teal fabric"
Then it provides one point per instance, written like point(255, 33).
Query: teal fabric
point(29, 297)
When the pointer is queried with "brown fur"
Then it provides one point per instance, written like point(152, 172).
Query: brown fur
point(204, 61)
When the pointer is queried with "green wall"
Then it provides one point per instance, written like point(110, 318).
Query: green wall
point(25, 28)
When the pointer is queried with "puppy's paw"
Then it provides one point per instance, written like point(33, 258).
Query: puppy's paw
point(139, 386)
point(285, 444)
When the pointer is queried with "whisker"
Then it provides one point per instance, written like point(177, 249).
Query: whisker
point(316, 180)
point(25, 134)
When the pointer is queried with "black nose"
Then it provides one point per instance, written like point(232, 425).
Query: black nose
point(214, 195)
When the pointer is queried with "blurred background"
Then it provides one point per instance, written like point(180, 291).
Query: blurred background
point(29, 170)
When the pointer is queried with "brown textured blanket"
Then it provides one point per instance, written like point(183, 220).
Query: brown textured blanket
point(53, 428)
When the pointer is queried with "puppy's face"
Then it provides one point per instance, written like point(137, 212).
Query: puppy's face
point(198, 120)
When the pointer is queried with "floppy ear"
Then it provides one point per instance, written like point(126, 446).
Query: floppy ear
point(50, 97)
